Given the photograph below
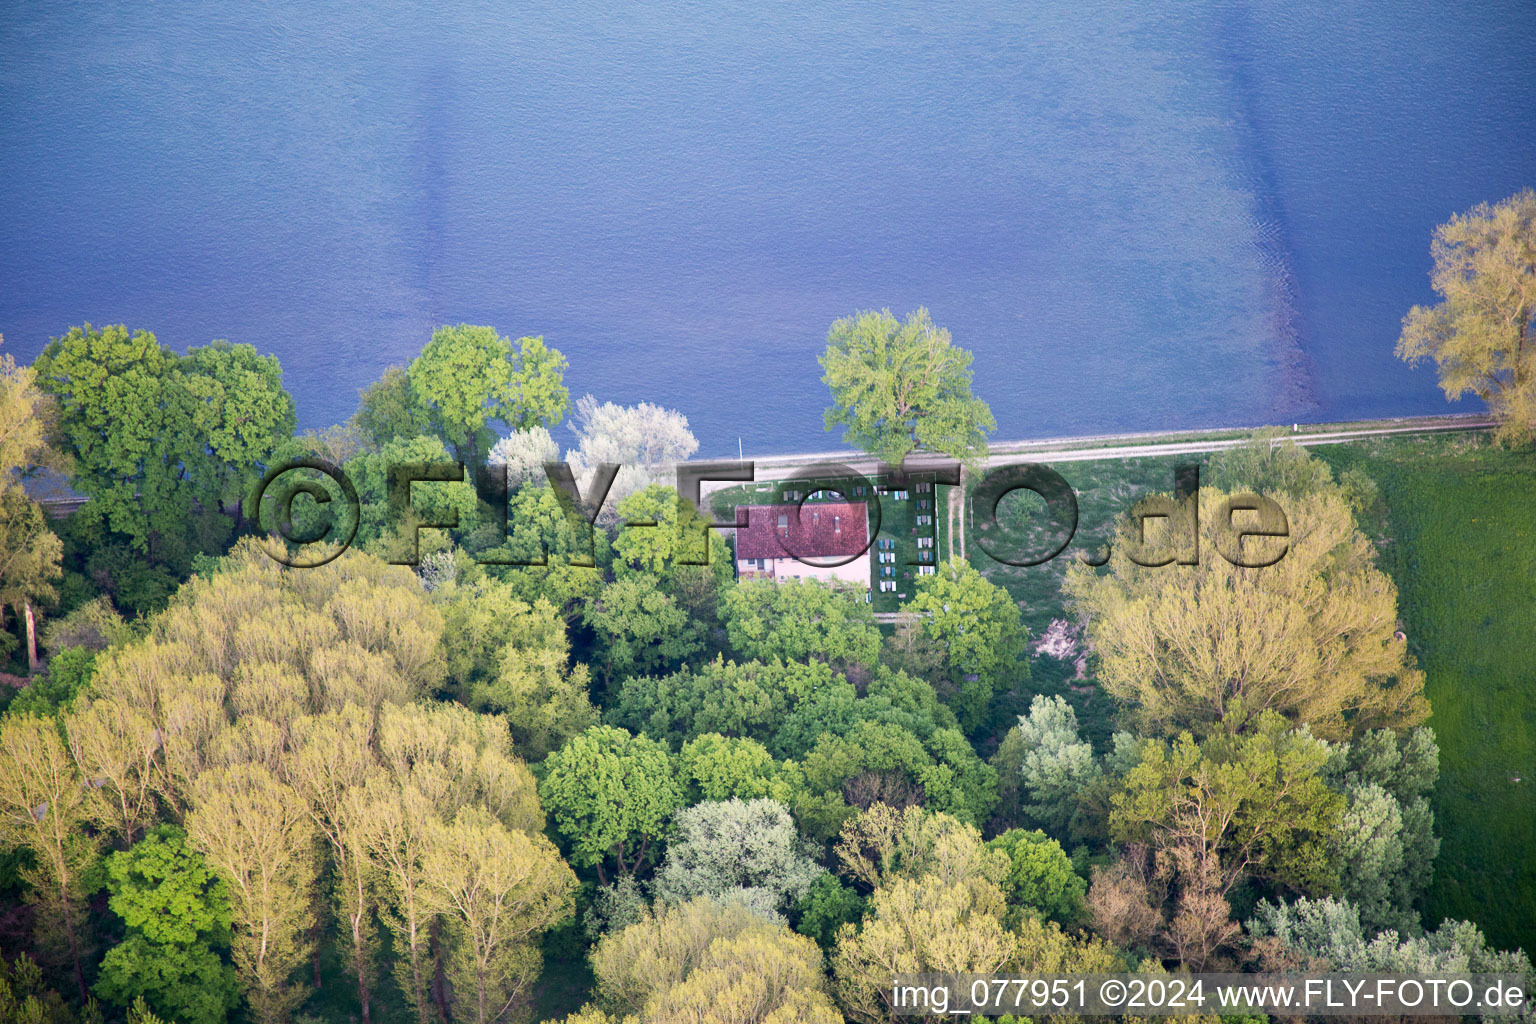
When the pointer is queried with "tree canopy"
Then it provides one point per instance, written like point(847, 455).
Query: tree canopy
point(29, 551)
point(978, 627)
point(468, 376)
point(1482, 333)
point(900, 385)
point(715, 963)
point(1214, 646)
point(151, 431)
point(801, 621)
point(611, 794)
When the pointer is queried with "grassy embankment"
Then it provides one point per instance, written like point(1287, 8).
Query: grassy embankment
point(1458, 535)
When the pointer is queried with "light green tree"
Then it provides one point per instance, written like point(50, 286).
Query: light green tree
point(498, 889)
point(42, 809)
point(1482, 334)
point(714, 963)
point(610, 795)
point(1213, 646)
point(177, 914)
point(900, 385)
point(29, 550)
point(512, 658)
point(256, 833)
point(716, 767)
point(801, 621)
point(924, 923)
point(467, 377)
point(977, 626)
point(1271, 462)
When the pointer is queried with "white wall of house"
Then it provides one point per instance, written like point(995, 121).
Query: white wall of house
point(856, 571)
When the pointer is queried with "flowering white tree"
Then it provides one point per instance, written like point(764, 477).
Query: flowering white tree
point(524, 454)
point(645, 440)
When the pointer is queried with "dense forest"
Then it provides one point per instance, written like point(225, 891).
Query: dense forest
point(431, 779)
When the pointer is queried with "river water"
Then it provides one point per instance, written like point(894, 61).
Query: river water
point(1136, 220)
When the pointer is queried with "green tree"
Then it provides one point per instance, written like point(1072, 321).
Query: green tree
point(719, 768)
point(25, 997)
point(69, 673)
point(240, 414)
point(1384, 849)
point(387, 410)
point(1482, 334)
point(177, 915)
point(610, 794)
point(467, 377)
point(879, 762)
point(1234, 806)
point(1040, 877)
point(900, 385)
point(802, 621)
point(392, 531)
point(825, 908)
point(667, 550)
point(978, 627)
point(129, 419)
point(748, 699)
point(642, 629)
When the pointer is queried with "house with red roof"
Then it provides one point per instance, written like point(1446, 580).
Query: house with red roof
point(821, 540)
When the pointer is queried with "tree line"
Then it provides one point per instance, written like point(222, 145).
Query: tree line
point(473, 791)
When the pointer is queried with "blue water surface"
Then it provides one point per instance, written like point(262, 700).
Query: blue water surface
point(1137, 219)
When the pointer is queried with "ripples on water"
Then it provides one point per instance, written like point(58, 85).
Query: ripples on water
point(1135, 222)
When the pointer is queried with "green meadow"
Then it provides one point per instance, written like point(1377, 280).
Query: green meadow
point(1457, 531)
